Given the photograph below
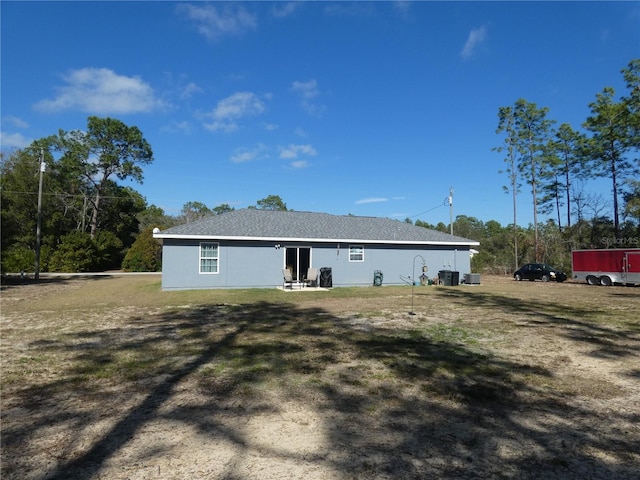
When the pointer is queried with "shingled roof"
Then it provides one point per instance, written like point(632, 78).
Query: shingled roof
point(274, 225)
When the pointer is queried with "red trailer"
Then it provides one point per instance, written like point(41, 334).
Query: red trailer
point(607, 266)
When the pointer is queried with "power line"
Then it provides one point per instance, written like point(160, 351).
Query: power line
point(445, 202)
point(61, 194)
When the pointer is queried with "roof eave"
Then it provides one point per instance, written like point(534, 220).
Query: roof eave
point(307, 239)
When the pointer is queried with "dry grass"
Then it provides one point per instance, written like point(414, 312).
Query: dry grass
point(504, 379)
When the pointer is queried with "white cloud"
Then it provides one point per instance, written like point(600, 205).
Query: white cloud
point(270, 127)
point(262, 151)
point(402, 6)
point(351, 9)
point(215, 22)
point(292, 151)
point(477, 36)
point(189, 90)
point(307, 91)
point(13, 140)
point(230, 109)
point(300, 132)
point(243, 155)
point(300, 164)
point(175, 127)
point(372, 200)
point(101, 91)
point(284, 9)
point(15, 121)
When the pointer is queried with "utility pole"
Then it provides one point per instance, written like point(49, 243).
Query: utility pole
point(451, 208)
point(43, 167)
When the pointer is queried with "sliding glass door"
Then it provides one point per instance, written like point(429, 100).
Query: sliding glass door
point(298, 259)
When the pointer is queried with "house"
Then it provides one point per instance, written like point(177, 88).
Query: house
point(249, 248)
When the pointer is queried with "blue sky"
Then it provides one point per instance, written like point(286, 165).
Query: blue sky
point(364, 108)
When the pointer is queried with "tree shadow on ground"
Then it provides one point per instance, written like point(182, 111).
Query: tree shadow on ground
point(392, 403)
point(13, 281)
point(605, 341)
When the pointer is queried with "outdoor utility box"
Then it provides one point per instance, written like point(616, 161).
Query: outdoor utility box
point(472, 278)
point(326, 280)
point(449, 277)
point(377, 278)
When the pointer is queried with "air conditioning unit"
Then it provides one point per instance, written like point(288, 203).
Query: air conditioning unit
point(472, 278)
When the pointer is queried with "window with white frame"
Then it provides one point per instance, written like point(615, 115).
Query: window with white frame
point(208, 258)
point(356, 253)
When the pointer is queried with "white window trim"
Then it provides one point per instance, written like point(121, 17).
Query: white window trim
point(200, 258)
point(361, 252)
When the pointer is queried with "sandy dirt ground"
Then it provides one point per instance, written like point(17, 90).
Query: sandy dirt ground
point(541, 396)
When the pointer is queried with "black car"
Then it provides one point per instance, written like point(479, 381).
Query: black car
point(539, 271)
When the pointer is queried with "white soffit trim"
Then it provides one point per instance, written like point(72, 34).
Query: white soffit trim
point(307, 240)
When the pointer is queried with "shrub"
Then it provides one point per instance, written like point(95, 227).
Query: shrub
point(145, 255)
point(77, 252)
point(21, 258)
point(18, 258)
point(109, 251)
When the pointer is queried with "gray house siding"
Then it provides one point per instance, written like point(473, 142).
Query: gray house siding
point(247, 264)
point(249, 248)
point(395, 263)
point(241, 264)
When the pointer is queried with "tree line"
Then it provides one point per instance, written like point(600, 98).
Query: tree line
point(86, 220)
point(89, 222)
point(554, 162)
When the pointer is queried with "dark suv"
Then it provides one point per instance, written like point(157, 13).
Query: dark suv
point(539, 271)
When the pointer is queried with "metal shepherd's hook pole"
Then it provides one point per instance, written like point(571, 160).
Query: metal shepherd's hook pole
point(451, 209)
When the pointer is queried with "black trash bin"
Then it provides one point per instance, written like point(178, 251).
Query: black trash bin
point(449, 278)
point(326, 280)
point(377, 278)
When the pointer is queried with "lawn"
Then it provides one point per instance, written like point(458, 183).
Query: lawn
point(111, 378)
